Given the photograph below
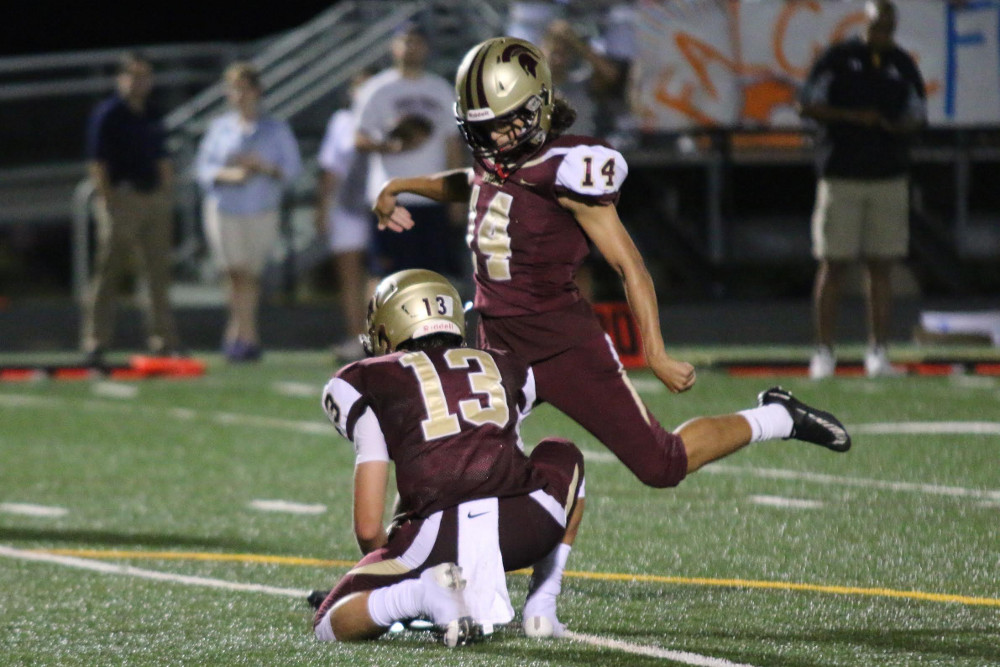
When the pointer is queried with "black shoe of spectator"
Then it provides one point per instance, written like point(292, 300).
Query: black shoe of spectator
point(94, 358)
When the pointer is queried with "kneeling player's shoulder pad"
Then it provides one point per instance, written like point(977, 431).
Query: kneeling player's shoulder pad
point(344, 396)
point(591, 171)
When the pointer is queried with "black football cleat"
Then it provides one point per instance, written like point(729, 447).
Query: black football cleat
point(808, 423)
point(315, 599)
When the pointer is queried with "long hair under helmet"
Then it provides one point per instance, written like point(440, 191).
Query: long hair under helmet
point(504, 82)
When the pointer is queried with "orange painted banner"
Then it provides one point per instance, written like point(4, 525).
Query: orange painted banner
point(741, 64)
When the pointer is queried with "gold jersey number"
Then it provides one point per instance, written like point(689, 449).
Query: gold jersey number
point(492, 238)
point(485, 381)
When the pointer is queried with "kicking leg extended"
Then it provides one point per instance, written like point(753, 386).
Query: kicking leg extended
point(777, 415)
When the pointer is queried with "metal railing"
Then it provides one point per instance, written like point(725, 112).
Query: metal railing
point(90, 72)
point(192, 115)
point(299, 70)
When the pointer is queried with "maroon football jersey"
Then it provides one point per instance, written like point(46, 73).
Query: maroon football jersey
point(449, 417)
point(526, 247)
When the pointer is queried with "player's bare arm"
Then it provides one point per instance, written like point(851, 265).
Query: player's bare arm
point(446, 186)
point(371, 479)
point(603, 226)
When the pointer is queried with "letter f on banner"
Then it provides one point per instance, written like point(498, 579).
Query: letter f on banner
point(973, 50)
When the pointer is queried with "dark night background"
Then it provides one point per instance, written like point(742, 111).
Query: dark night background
point(45, 27)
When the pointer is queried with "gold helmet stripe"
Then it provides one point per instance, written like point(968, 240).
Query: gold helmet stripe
point(475, 78)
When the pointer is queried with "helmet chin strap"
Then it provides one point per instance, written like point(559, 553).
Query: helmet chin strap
point(503, 170)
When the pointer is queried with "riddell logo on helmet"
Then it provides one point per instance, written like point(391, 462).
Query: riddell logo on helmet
point(437, 327)
point(479, 114)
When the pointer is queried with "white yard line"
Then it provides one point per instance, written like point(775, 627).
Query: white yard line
point(927, 428)
point(791, 503)
point(318, 427)
point(592, 456)
point(287, 506)
point(129, 571)
point(298, 390)
point(311, 428)
point(684, 657)
point(862, 482)
point(27, 509)
point(118, 390)
point(647, 385)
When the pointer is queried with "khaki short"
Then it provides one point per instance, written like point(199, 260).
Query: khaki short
point(240, 241)
point(856, 219)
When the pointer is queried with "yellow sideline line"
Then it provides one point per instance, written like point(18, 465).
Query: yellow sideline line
point(599, 576)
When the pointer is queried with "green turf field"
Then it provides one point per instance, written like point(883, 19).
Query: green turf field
point(784, 554)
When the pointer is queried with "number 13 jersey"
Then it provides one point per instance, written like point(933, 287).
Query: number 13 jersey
point(448, 418)
point(526, 247)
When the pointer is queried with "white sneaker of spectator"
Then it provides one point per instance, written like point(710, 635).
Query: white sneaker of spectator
point(823, 363)
point(877, 363)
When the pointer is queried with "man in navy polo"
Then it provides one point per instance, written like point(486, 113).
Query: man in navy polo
point(133, 178)
point(868, 97)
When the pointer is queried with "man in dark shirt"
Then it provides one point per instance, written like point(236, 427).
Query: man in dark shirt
point(868, 97)
point(447, 416)
point(133, 178)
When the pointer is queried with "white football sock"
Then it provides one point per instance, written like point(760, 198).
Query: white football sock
point(546, 577)
point(324, 631)
point(768, 422)
point(396, 603)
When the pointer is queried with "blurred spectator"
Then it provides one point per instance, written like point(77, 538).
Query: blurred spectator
point(245, 161)
point(571, 76)
point(407, 127)
point(868, 97)
point(343, 218)
point(602, 38)
point(529, 20)
point(133, 178)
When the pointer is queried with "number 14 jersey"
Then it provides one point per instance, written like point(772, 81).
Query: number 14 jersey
point(526, 247)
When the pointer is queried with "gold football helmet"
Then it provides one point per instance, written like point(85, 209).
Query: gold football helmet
point(504, 101)
point(411, 304)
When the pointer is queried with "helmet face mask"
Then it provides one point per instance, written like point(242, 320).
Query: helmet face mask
point(411, 304)
point(504, 102)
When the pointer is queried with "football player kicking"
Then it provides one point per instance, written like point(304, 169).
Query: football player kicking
point(471, 503)
point(536, 195)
